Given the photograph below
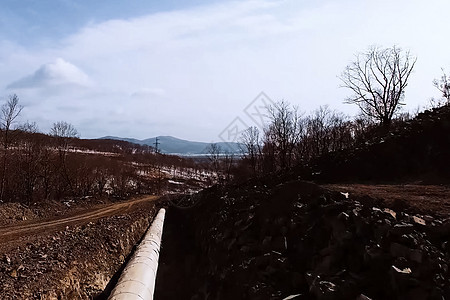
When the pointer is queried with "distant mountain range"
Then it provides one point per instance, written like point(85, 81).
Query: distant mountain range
point(172, 145)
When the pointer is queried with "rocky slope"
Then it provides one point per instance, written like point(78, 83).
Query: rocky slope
point(274, 239)
point(412, 150)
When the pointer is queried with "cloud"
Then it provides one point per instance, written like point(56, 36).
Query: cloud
point(148, 93)
point(54, 74)
point(208, 63)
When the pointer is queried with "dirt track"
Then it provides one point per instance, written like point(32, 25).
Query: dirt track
point(429, 199)
point(71, 256)
point(14, 232)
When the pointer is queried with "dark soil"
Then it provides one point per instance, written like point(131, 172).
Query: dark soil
point(413, 198)
point(416, 150)
point(272, 240)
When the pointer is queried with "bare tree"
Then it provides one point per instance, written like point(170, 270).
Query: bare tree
point(214, 151)
point(283, 131)
point(327, 131)
point(443, 85)
point(28, 161)
point(251, 147)
point(433, 103)
point(318, 127)
point(63, 132)
point(378, 79)
point(9, 113)
point(228, 162)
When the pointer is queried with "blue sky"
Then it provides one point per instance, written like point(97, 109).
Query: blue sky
point(188, 68)
point(32, 21)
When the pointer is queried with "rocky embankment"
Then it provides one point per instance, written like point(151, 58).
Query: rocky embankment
point(273, 241)
point(415, 150)
point(75, 263)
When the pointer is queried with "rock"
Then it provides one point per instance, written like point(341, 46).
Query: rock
point(345, 194)
point(401, 279)
point(245, 249)
point(362, 226)
point(323, 267)
point(401, 262)
point(270, 270)
point(428, 218)
point(376, 209)
point(444, 268)
point(266, 243)
point(372, 253)
point(309, 278)
point(343, 216)
point(403, 216)
point(416, 255)
point(381, 231)
point(279, 243)
point(339, 229)
point(323, 290)
point(297, 280)
point(403, 271)
point(296, 296)
point(6, 259)
point(437, 293)
point(419, 221)
point(402, 228)
point(442, 229)
point(446, 246)
point(399, 250)
point(262, 261)
point(418, 293)
point(328, 250)
point(391, 212)
point(410, 240)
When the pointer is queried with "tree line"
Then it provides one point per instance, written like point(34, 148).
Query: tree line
point(377, 80)
point(37, 166)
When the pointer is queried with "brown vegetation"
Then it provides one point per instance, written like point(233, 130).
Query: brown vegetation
point(37, 167)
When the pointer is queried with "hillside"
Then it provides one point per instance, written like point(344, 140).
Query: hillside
point(416, 150)
point(280, 238)
point(172, 145)
point(38, 167)
point(271, 237)
point(284, 238)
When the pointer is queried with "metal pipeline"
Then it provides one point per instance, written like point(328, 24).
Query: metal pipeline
point(138, 278)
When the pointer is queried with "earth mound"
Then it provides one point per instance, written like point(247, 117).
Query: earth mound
point(296, 240)
point(412, 150)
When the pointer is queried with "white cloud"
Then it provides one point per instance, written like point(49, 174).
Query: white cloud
point(189, 73)
point(148, 93)
point(57, 73)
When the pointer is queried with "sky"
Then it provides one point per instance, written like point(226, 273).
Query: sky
point(195, 69)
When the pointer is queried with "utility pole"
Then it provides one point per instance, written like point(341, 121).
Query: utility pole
point(158, 164)
point(156, 143)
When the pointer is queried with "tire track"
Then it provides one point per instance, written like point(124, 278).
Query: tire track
point(40, 227)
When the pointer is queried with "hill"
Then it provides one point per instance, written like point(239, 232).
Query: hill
point(415, 150)
point(172, 145)
point(283, 238)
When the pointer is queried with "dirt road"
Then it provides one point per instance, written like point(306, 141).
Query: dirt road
point(38, 227)
point(432, 199)
point(71, 256)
